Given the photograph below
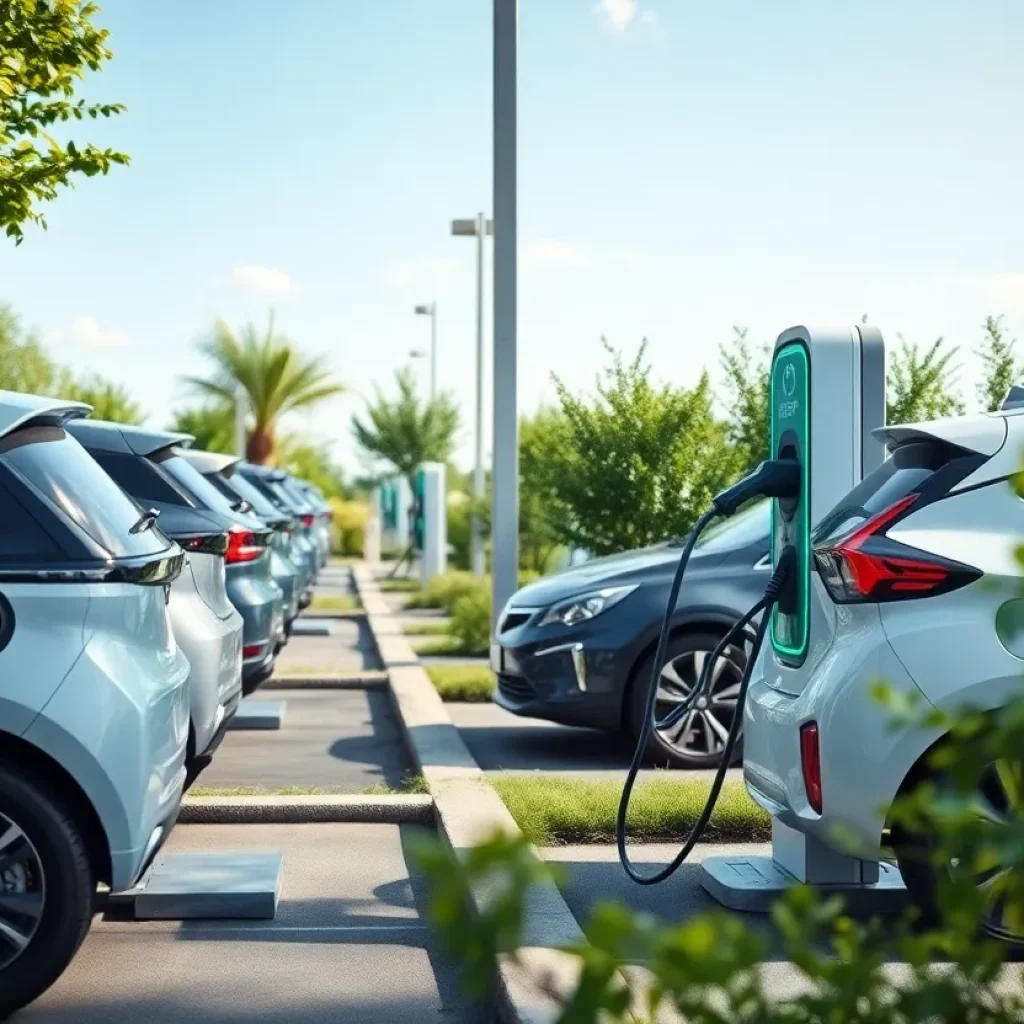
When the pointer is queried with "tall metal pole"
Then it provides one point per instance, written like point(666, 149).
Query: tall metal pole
point(476, 536)
point(433, 352)
point(505, 500)
point(240, 398)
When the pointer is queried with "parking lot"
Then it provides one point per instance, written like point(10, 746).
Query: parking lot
point(349, 943)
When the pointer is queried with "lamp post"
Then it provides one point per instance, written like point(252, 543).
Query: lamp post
point(477, 228)
point(505, 490)
point(240, 401)
point(430, 309)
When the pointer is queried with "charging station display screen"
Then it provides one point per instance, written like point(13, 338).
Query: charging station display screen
point(790, 438)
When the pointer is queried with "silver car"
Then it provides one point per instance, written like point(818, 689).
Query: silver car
point(208, 628)
point(94, 703)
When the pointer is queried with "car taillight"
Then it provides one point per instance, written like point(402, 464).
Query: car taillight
point(308, 520)
point(866, 566)
point(810, 759)
point(207, 544)
point(242, 547)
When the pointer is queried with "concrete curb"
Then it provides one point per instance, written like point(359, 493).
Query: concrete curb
point(353, 681)
point(397, 809)
point(468, 810)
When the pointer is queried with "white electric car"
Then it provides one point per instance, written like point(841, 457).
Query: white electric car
point(916, 585)
point(94, 708)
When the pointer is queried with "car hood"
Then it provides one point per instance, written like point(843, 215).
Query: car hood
point(646, 565)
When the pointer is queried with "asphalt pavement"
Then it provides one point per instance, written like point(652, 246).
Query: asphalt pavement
point(348, 647)
point(341, 740)
point(349, 944)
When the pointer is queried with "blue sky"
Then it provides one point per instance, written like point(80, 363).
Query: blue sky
point(683, 167)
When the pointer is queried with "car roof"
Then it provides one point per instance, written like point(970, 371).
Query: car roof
point(19, 410)
point(127, 438)
point(211, 462)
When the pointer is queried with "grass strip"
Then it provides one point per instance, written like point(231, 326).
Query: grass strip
point(559, 811)
point(468, 683)
point(263, 791)
point(449, 647)
point(398, 586)
point(411, 783)
point(427, 629)
point(335, 603)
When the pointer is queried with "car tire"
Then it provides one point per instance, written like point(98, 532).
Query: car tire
point(65, 885)
point(915, 849)
point(660, 751)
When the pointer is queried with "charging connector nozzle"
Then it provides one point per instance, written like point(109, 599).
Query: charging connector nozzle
point(774, 478)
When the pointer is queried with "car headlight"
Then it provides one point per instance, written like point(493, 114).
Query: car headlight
point(586, 606)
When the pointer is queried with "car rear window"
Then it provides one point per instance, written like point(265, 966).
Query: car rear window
point(904, 472)
point(261, 504)
point(196, 484)
point(60, 469)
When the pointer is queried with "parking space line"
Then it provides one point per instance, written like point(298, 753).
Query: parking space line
point(204, 926)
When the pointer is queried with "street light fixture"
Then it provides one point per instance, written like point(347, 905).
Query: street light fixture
point(430, 310)
point(478, 228)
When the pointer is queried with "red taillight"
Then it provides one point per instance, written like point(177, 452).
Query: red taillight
point(867, 566)
point(242, 547)
point(308, 520)
point(253, 651)
point(810, 759)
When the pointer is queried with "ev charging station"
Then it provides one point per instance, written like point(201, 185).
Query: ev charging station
point(827, 396)
point(431, 520)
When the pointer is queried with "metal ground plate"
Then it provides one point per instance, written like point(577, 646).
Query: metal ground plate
point(258, 714)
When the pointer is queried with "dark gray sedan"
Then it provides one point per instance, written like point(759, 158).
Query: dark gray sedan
point(578, 647)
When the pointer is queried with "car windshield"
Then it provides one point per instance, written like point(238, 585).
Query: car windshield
point(61, 470)
point(743, 529)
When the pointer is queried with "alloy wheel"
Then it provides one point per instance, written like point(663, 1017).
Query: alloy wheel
point(22, 891)
point(704, 729)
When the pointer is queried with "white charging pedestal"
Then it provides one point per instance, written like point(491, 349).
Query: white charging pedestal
point(434, 493)
point(403, 508)
point(845, 368)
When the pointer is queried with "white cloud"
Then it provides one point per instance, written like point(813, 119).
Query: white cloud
point(424, 280)
point(255, 278)
point(550, 254)
point(618, 13)
point(87, 332)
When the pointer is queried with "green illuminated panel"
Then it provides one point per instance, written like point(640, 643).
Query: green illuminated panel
point(790, 410)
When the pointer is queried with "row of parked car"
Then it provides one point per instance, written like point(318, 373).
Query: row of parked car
point(144, 588)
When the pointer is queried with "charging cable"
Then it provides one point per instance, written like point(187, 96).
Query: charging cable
point(775, 478)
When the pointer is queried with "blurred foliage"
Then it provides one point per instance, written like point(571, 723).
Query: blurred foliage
point(348, 528)
point(405, 431)
point(921, 385)
point(309, 460)
point(46, 47)
point(444, 590)
point(25, 364)
point(109, 401)
point(212, 425)
point(275, 375)
point(471, 618)
point(747, 397)
point(999, 366)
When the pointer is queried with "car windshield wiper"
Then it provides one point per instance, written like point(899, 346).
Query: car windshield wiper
point(146, 521)
point(242, 506)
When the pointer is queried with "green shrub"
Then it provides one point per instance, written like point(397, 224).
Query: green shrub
point(471, 619)
point(348, 528)
point(444, 590)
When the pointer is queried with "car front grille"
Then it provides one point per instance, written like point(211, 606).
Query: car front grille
point(512, 619)
point(516, 688)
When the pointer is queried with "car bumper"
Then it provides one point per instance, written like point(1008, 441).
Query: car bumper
point(864, 754)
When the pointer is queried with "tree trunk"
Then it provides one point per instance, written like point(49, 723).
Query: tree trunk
point(260, 446)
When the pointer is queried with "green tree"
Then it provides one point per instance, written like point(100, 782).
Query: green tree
point(404, 431)
point(637, 462)
point(921, 385)
point(46, 47)
point(311, 461)
point(1000, 369)
point(540, 509)
point(212, 425)
point(25, 364)
point(275, 376)
point(109, 400)
point(748, 400)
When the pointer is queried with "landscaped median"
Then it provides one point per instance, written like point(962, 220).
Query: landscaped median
point(465, 683)
point(554, 810)
point(335, 603)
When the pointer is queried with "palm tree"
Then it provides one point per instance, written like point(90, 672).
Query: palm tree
point(275, 376)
